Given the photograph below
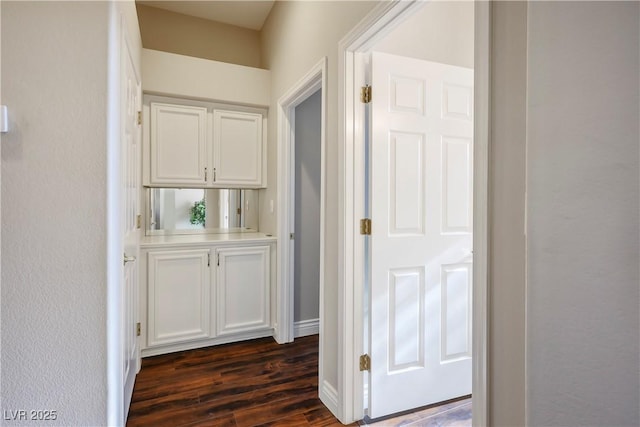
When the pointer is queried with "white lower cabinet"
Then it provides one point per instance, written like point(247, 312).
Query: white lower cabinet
point(179, 296)
point(242, 289)
point(196, 297)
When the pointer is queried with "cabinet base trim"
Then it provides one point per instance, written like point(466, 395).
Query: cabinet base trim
point(154, 351)
point(304, 328)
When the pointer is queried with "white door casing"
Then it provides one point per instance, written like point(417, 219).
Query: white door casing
point(130, 161)
point(421, 209)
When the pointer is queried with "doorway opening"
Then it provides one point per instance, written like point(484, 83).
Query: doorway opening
point(306, 235)
point(470, 283)
point(301, 234)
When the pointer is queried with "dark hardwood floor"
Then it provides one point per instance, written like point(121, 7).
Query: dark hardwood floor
point(253, 383)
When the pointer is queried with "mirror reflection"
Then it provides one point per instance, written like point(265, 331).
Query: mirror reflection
point(197, 210)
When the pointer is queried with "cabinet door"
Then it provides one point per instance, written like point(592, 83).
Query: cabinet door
point(178, 144)
point(243, 297)
point(237, 148)
point(179, 296)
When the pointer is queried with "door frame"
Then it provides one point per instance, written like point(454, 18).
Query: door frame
point(315, 79)
point(352, 71)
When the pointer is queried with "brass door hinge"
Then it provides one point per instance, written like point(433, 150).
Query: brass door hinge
point(365, 362)
point(365, 226)
point(139, 118)
point(138, 221)
point(365, 94)
point(138, 329)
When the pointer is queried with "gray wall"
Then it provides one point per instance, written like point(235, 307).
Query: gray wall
point(307, 216)
point(583, 214)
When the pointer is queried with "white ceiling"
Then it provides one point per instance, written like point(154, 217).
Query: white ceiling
point(242, 13)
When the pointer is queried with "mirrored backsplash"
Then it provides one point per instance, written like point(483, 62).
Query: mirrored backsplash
point(196, 210)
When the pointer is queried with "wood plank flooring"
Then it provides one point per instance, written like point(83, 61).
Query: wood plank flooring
point(253, 383)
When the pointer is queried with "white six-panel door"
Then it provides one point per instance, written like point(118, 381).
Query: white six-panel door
point(130, 160)
point(421, 211)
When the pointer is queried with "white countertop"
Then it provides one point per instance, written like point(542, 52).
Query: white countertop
point(205, 239)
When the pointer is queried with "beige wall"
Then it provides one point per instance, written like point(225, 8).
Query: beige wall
point(565, 104)
point(583, 214)
point(506, 287)
point(295, 37)
point(170, 74)
point(186, 35)
point(441, 31)
point(54, 272)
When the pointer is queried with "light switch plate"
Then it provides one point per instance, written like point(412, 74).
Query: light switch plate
point(4, 119)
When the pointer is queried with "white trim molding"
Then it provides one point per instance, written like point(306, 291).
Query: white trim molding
point(481, 247)
point(352, 72)
point(284, 332)
point(329, 396)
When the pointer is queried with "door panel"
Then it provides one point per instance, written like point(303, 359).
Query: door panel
point(421, 211)
point(130, 149)
point(237, 153)
point(243, 291)
point(179, 296)
point(178, 144)
point(406, 184)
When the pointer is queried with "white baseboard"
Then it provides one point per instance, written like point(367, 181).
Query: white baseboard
point(329, 396)
point(306, 327)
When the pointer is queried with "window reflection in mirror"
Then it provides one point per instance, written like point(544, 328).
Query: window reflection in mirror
point(189, 211)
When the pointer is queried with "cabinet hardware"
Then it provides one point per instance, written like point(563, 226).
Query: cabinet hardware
point(138, 221)
point(208, 260)
point(127, 258)
point(138, 329)
point(205, 174)
point(218, 260)
point(214, 174)
point(365, 362)
point(139, 118)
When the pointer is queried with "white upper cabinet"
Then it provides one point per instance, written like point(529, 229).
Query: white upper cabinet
point(178, 136)
point(203, 144)
point(237, 142)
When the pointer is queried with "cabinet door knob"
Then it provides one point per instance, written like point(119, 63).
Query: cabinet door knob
point(128, 258)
